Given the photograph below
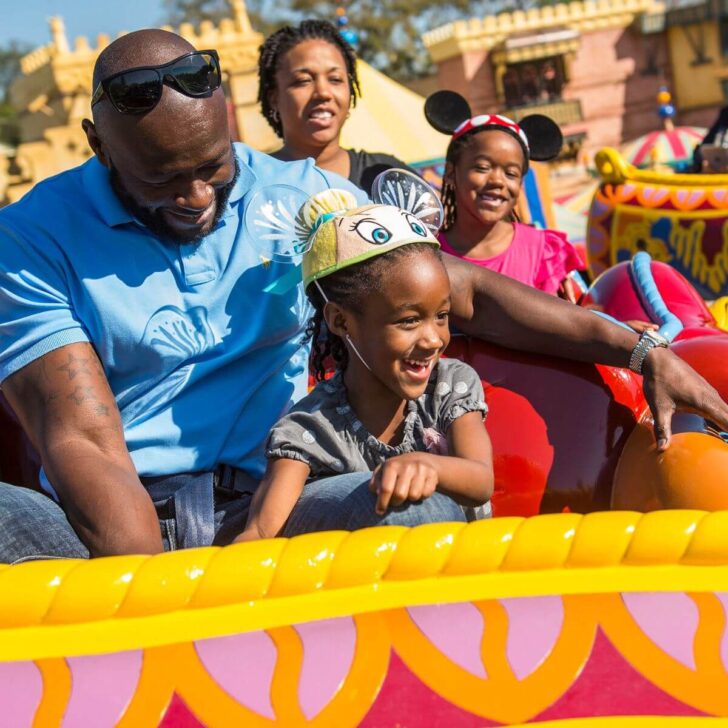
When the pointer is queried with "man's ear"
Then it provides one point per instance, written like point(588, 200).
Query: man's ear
point(337, 319)
point(94, 141)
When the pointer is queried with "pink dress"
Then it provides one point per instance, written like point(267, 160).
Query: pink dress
point(538, 258)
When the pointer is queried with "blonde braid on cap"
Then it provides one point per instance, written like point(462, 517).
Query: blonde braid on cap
point(314, 211)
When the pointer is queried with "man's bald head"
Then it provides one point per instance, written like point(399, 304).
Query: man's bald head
point(174, 159)
point(149, 47)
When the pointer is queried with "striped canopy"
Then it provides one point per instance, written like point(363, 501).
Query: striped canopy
point(663, 147)
point(390, 118)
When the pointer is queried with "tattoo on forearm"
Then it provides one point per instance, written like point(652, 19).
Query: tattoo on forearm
point(83, 394)
point(78, 365)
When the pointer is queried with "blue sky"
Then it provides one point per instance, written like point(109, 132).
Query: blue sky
point(26, 20)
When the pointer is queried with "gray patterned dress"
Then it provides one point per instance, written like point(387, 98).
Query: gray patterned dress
point(323, 431)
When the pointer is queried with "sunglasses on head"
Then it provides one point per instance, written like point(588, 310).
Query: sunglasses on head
point(138, 90)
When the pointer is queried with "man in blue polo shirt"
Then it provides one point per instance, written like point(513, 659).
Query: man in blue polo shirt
point(144, 351)
point(138, 337)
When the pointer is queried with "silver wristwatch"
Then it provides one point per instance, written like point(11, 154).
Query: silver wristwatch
point(648, 341)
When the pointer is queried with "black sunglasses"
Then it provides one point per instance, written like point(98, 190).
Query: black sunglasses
point(138, 90)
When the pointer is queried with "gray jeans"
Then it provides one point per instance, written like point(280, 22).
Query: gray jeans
point(191, 513)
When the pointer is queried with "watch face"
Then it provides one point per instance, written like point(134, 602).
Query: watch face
point(659, 339)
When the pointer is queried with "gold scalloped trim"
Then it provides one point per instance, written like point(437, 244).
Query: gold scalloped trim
point(613, 168)
point(68, 592)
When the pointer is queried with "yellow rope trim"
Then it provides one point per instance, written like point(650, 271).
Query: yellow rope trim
point(72, 592)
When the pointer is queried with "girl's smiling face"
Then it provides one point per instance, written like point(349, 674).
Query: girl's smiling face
point(487, 177)
point(402, 330)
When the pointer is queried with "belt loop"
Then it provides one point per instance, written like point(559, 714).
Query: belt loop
point(195, 511)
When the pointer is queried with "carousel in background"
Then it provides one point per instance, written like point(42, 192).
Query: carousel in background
point(646, 200)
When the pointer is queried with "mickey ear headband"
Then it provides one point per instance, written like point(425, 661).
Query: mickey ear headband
point(449, 113)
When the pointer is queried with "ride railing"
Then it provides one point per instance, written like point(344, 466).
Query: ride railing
point(507, 621)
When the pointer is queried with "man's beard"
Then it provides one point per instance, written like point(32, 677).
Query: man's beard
point(154, 220)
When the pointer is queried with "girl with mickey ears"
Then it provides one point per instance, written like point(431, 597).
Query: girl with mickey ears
point(486, 162)
point(393, 409)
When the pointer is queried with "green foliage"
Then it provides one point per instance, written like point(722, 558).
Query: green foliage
point(10, 55)
point(389, 30)
point(195, 11)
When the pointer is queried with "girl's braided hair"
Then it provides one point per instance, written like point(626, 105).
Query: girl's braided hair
point(350, 287)
point(280, 42)
point(452, 156)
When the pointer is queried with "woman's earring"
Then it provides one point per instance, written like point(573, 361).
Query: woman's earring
point(274, 115)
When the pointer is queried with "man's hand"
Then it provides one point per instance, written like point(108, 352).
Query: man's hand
point(671, 384)
point(408, 477)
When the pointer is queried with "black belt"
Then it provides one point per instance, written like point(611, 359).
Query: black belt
point(232, 481)
point(225, 479)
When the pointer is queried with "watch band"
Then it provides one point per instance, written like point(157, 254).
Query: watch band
point(648, 341)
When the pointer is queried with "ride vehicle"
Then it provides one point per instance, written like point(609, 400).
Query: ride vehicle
point(554, 612)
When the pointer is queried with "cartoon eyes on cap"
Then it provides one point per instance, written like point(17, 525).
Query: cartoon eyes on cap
point(373, 232)
point(416, 225)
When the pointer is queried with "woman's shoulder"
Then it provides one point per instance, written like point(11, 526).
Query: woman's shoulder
point(365, 166)
point(366, 158)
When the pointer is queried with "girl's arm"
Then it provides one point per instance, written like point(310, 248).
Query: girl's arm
point(468, 479)
point(275, 498)
point(466, 475)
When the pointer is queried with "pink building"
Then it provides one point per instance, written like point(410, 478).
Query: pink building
point(594, 67)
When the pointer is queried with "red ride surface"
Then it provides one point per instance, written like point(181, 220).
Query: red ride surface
point(557, 427)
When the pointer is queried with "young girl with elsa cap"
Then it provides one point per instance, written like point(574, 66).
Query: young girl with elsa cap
point(394, 407)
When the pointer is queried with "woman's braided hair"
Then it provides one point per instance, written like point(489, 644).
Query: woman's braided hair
point(280, 42)
point(350, 287)
point(447, 194)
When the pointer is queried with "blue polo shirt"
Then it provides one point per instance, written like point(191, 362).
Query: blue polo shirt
point(201, 359)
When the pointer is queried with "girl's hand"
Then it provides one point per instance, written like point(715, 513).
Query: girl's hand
point(408, 477)
point(569, 290)
point(642, 326)
point(247, 535)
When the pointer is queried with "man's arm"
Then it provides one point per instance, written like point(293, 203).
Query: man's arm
point(500, 310)
point(64, 402)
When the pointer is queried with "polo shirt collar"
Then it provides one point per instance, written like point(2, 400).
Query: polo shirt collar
point(246, 180)
point(97, 185)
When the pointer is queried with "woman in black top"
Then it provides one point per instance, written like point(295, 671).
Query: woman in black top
point(307, 83)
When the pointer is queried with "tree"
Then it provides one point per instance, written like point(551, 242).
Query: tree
point(10, 55)
point(195, 11)
point(389, 31)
